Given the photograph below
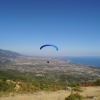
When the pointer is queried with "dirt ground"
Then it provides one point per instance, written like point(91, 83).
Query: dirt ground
point(58, 95)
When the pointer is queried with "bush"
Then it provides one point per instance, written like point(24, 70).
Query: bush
point(88, 97)
point(74, 97)
point(97, 83)
point(78, 89)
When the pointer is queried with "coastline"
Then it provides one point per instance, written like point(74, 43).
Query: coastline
point(81, 60)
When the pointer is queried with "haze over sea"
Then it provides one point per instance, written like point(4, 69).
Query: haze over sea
point(93, 61)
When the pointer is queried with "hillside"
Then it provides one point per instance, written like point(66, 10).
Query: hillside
point(8, 54)
point(24, 74)
point(57, 70)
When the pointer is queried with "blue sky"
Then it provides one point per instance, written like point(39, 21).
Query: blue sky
point(72, 25)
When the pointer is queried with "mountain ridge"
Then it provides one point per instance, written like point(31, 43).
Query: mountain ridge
point(9, 54)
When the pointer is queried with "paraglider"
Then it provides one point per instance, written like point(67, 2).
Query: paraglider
point(49, 45)
point(47, 61)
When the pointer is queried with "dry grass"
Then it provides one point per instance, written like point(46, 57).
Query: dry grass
point(92, 92)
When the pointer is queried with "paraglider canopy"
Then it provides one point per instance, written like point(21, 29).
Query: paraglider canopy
point(49, 45)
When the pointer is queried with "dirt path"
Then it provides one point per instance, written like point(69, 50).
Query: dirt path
point(59, 95)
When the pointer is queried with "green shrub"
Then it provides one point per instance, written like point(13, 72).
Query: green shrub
point(88, 97)
point(97, 82)
point(78, 89)
point(74, 97)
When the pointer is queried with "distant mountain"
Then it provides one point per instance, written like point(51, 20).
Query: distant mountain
point(8, 54)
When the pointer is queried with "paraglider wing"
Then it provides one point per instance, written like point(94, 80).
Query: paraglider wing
point(48, 45)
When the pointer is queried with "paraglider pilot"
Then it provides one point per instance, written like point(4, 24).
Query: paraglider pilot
point(47, 61)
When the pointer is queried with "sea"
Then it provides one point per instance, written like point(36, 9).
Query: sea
point(91, 61)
